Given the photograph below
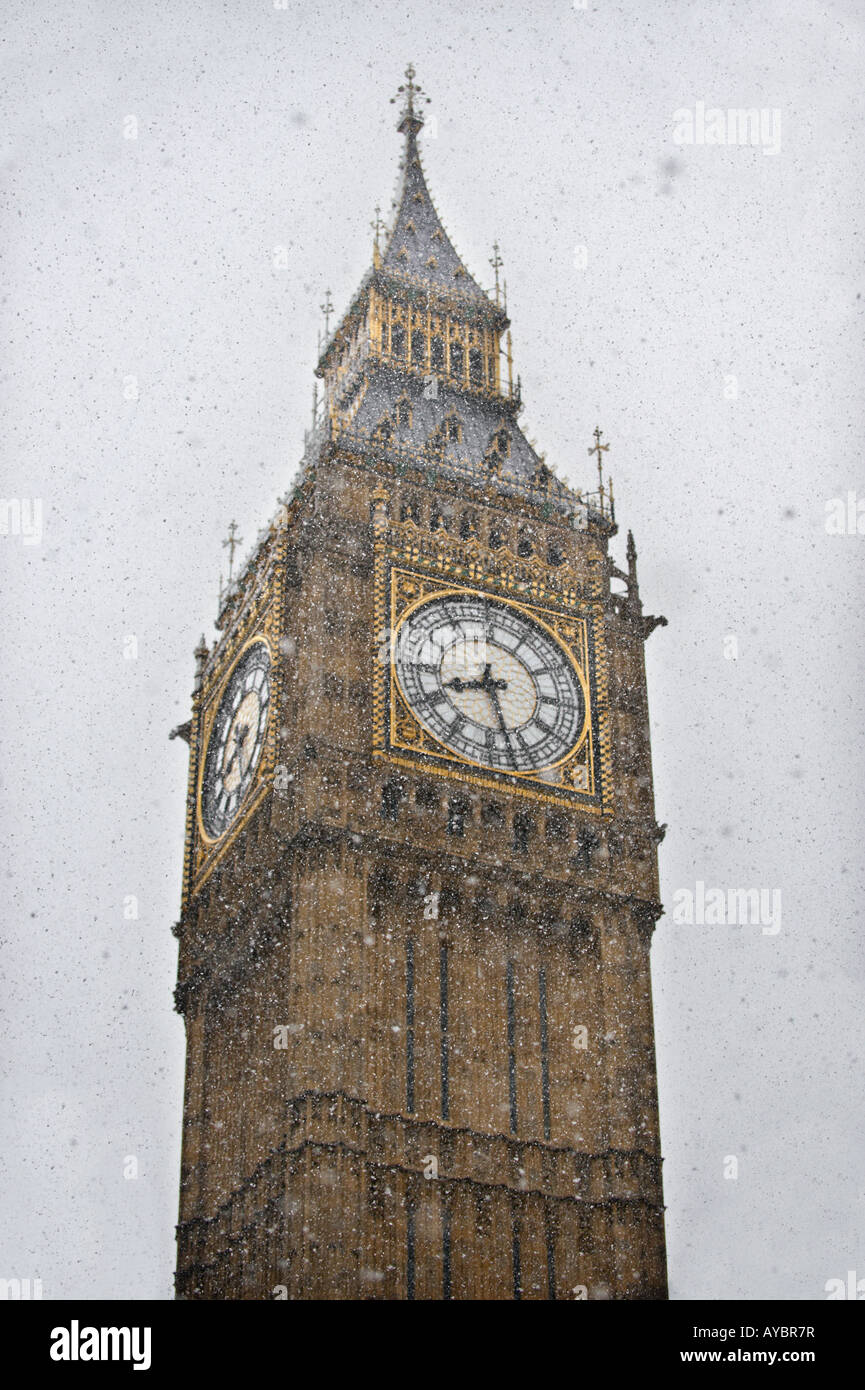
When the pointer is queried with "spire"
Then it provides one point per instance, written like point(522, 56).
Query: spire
point(418, 248)
point(201, 655)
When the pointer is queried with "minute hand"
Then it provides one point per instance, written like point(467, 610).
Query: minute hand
point(492, 688)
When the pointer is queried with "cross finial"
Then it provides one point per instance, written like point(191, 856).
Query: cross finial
point(327, 309)
point(496, 264)
point(599, 449)
point(231, 543)
point(409, 91)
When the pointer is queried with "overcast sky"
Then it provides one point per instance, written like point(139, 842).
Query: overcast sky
point(156, 384)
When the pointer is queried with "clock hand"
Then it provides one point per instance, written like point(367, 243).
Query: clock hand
point(492, 690)
point(458, 685)
point(239, 735)
point(485, 683)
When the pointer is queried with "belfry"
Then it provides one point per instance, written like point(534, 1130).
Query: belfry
point(420, 879)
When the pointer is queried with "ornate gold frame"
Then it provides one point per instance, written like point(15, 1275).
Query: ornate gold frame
point(261, 623)
point(208, 718)
point(405, 577)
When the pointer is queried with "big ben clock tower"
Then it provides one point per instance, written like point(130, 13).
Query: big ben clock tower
point(420, 880)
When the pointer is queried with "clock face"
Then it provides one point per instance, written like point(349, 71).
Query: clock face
point(489, 683)
point(236, 740)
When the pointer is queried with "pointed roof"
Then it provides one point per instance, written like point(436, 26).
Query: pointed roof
point(419, 254)
point(418, 247)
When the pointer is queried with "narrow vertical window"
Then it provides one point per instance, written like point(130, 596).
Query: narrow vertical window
point(458, 809)
point(443, 1024)
point(409, 1251)
point(512, 1049)
point(522, 832)
point(409, 1026)
point(517, 1257)
point(551, 1256)
point(391, 797)
point(545, 1055)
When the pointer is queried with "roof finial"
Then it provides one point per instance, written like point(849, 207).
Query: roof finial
point(377, 225)
point(327, 309)
point(633, 586)
point(496, 264)
point(377, 228)
point(410, 120)
point(232, 543)
point(201, 655)
point(600, 449)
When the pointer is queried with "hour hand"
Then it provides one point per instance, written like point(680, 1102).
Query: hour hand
point(458, 685)
point(487, 683)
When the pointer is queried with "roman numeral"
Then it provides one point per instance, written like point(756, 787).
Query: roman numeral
point(433, 698)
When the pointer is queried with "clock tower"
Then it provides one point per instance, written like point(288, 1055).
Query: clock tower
point(420, 879)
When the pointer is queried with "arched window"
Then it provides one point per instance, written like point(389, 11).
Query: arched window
point(418, 348)
point(391, 796)
point(587, 843)
point(468, 526)
point(525, 548)
point(457, 360)
point(476, 366)
point(410, 511)
point(523, 828)
point(458, 810)
point(397, 341)
point(453, 430)
point(437, 355)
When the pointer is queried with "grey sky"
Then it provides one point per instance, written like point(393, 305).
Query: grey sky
point(153, 258)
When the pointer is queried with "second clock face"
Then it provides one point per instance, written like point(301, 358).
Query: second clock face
point(489, 683)
point(236, 739)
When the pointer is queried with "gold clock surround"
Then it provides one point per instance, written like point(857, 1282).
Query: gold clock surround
point(409, 574)
point(210, 718)
point(208, 850)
